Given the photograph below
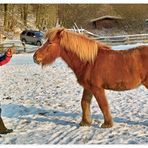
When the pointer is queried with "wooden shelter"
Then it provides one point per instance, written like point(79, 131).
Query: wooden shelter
point(105, 22)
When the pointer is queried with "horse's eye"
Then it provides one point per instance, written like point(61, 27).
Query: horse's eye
point(49, 42)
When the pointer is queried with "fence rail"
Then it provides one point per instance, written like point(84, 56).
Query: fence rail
point(126, 39)
point(118, 40)
point(110, 40)
point(17, 45)
point(115, 40)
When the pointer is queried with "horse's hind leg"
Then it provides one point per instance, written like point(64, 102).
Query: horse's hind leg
point(85, 103)
point(103, 104)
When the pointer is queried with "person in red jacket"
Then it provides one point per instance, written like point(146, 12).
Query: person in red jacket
point(4, 59)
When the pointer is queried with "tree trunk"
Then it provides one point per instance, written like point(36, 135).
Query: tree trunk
point(25, 12)
point(5, 16)
point(38, 8)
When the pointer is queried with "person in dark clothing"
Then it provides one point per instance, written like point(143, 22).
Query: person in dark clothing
point(4, 59)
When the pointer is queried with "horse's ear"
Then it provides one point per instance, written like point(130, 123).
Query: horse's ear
point(55, 32)
point(60, 31)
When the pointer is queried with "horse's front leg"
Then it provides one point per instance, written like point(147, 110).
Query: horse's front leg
point(85, 104)
point(103, 104)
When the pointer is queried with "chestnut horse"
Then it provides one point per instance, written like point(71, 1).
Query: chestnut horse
point(96, 67)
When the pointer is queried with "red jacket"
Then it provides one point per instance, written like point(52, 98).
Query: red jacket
point(4, 59)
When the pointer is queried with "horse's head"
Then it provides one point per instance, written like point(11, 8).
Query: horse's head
point(86, 49)
point(50, 50)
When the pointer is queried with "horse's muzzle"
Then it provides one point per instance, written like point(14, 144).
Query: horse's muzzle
point(36, 60)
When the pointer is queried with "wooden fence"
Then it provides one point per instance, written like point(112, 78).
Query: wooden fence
point(17, 46)
point(110, 40)
point(121, 40)
point(116, 40)
point(124, 40)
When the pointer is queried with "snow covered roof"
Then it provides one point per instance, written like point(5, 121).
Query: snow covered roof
point(105, 17)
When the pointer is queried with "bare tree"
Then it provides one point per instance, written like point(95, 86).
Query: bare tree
point(5, 16)
point(25, 14)
point(45, 15)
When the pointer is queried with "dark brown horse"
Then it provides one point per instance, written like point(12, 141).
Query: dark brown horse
point(96, 67)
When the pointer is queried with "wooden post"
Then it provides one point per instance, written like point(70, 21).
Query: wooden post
point(24, 45)
point(13, 47)
point(1, 48)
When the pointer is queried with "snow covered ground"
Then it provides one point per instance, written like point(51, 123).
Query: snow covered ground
point(42, 106)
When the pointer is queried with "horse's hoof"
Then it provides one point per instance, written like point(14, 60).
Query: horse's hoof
point(83, 123)
point(6, 131)
point(107, 125)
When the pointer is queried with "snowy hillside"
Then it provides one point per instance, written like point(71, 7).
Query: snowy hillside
point(42, 106)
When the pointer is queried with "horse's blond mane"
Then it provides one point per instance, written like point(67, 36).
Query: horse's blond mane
point(82, 46)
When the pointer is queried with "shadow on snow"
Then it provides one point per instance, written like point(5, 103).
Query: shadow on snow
point(44, 115)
